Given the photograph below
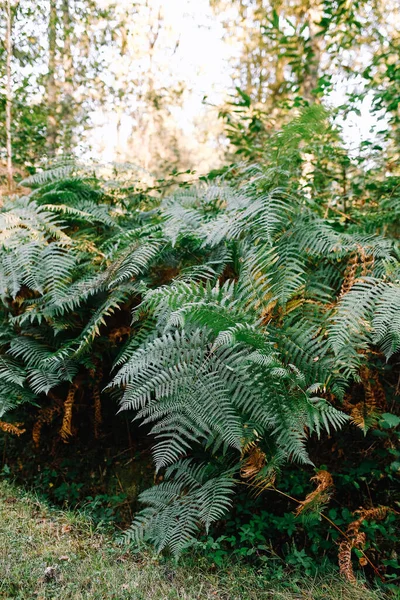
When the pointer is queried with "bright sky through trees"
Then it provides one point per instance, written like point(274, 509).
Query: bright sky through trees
point(202, 58)
point(145, 82)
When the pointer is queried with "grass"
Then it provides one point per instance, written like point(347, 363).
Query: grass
point(50, 554)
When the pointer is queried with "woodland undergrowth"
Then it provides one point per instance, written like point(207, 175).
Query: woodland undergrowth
point(249, 325)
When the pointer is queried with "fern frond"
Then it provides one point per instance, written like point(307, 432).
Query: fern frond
point(177, 509)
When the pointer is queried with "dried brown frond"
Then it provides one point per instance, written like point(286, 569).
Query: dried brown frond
point(357, 539)
point(268, 311)
point(117, 335)
point(344, 559)
point(365, 413)
point(247, 446)
point(366, 262)
point(15, 428)
point(320, 495)
point(359, 265)
point(97, 376)
point(349, 276)
point(65, 431)
point(255, 461)
point(368, 514)
point(374, 391)
point(259, 475)
point(88, 246)
point(45, 417)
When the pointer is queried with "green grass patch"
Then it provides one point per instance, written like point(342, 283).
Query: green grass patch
point(51, 554)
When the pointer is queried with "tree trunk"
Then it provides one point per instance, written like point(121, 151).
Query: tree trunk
point(277, 86)
point(68, 64)
point(310, 80)
point(51, 83)
point(10, 179)
point(148, 134)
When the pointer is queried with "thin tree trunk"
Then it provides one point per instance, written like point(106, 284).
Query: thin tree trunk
point(310, 81)
point(68, 101)
point(311, 78)
point(246, 81)
point(51, 82)
point(152, 109)
point(260, 58)
point(277, 87)
point(10, 179)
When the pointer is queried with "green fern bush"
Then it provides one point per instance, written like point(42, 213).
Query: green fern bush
point(251, 307)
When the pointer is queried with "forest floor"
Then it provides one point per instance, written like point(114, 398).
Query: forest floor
point(51, 554)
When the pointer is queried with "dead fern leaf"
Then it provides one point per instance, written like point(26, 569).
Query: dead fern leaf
point(367, 514)
point(255, 469)
point(14, 429)
point(255, 462)
point(367, 261)
point(374, 392)
point(320, 496)
point(364, 414)
point(117, 335)
point(357, 539)
point(359, 265)
point(45, 417)
point(65, 431)
point(97, 411)
point(349, 276)
point(344, 559)
point(268, 311)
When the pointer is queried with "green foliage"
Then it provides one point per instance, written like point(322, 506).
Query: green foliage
point(265, 532)
point(247, 311)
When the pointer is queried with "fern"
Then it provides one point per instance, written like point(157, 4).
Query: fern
point(230, 310)
point(190, 497)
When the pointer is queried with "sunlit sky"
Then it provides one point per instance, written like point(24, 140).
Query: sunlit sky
point(201, 60)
